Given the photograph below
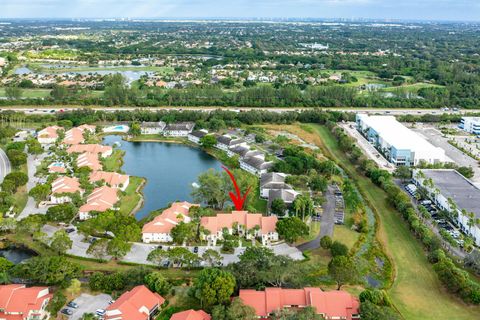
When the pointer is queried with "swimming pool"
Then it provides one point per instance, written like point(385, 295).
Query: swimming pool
point(118, 128)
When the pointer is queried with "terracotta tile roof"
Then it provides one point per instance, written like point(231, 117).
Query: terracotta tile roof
point(135, 304)
point(101, 199)
point(16, 298)
point(85, 127)
point(65, 185)
point(169, 218)
point(74, 136)
point(49, 132)
point(89, 160)
point(191, 315)
point(333, 304)
point(89, 148)
point(56, 169)
point(111, 178)
point(249, 220)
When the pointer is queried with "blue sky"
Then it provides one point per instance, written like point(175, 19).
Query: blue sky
point(381, 9)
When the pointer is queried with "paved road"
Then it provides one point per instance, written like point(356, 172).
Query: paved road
point(32, 162)
point(139, 251)
point(5, 167)
point(327, 222)
point(389, 111)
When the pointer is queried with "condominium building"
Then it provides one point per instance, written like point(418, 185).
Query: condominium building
point(329, 304)
point(400, 145)
point(17, 302)
point(137, 304)
point(470, 124)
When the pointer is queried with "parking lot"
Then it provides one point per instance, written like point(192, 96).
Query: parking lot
point(437, 222)
point(89, 304)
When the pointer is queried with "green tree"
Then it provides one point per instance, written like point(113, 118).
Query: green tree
point(467, 172)
point(60, 242)
point(292, 228)
point(16, 157)
point(63, 212)
point(326, 242)
point(338, 249)
point(278, 207)
point(212, 189)
point(212, 257)
point(135, 129)
point(403, 172)
point(47, 270)
point(208, 141)
point(213, 286)
point(98, 248)
point(156, 282)
point(183, 233)
point(57, 302)
point(13, 92)
point(157, 256)
point(59, 92)
point(370, 311)
point(118, 248)
point(342, 270)
point(40, 192)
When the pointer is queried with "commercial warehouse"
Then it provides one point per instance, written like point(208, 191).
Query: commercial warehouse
point(445, 184)
point(400, 145)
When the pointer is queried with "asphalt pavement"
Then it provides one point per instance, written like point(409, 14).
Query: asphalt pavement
point(327, 222)
point(5, 166)
point(89, 304)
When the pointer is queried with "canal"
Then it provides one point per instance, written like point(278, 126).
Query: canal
point(170, 170)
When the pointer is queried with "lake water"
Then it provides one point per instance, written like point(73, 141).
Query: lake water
point(170, 170)
point(16, 255)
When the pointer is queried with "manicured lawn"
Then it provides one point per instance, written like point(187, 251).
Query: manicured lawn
point(114, 162)
point(416, 292)
point(30, 93)
point(345, 235)
point(314, 231)
point(130, 200)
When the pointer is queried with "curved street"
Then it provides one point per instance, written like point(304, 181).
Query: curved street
point(5, 166)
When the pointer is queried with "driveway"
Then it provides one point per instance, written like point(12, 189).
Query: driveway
point(89, 304)
point(79, 246)
point(32, 162)
point(5, 167)
point(327, 222)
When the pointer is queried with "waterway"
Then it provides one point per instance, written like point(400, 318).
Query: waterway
point(170, 170)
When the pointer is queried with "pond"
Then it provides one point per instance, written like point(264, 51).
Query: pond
point(16, 255)
point(170, 170)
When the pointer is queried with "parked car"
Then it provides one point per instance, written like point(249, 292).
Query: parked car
point(100, 312)
point(72, 304)
point(195, 250)
point(67, 311)
point(69, 230)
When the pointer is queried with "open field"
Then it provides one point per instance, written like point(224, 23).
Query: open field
point(130, 200)
point(416, 292)
point(114, 162)
point(30, 93)
point(345, 235)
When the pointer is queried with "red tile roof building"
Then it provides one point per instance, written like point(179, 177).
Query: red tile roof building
point(112, 179)
point(260, 226)
point(63, 185)
point(48, 135)
point(158, 230)
point(17, 302)
point(100, 200)
point(74, 136)
point(104, 151)
point(89, 160)
point(136, 304)
point(191, 315)
point(329, 304)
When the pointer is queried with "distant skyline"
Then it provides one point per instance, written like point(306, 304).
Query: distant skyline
point(453, 10)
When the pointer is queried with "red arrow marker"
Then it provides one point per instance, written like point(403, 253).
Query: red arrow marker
point(238, 200)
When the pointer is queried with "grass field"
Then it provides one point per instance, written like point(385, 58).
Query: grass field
point(345, 235)
point(130, 200)
point(21, 196)
point(416, 292)
point(30, 93)
point(114, 162)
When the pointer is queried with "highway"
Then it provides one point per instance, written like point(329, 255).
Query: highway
point(5, 166)
point(386, 111)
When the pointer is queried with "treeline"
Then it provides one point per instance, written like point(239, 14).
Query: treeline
point(454, 278)
point(258, 96)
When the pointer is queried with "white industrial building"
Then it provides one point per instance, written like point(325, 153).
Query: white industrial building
point(470, 124)
point(449, 184)
point(397, 143)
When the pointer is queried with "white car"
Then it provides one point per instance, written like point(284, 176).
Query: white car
point(100, 312)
